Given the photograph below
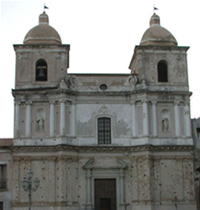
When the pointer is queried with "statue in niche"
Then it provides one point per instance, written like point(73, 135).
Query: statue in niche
point(40, 119)
point(165, 124)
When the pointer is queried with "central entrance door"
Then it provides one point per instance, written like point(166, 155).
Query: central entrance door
point(105, 194)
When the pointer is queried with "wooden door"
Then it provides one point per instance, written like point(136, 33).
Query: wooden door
point(105, 194)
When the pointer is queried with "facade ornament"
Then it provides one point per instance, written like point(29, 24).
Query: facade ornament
point(40, 119)
point(73, 81)
point(165, 124)
point(133, 80)
point(63, 84)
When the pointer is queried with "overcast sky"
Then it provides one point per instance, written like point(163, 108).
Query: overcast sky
point(102, 35)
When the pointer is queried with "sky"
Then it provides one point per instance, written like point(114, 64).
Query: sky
point(102, 35)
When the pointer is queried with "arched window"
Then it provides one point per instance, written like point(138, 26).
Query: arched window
point(104, 130)
point(41, 70)
point(162, 71)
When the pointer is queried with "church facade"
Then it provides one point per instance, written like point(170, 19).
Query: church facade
point(102, 141)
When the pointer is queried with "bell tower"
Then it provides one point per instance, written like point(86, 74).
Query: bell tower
point(41, 67)
point(161, 66)
point(42, 59)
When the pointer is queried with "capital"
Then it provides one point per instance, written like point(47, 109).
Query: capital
point(28, 102)
point(145, 100)
point(177, 102)
point(52, 102)
point(17, 102)
point(62, 100)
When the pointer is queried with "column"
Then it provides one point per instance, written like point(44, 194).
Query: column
point(88, 189)
point(177, 119)
point(62, 117)
point(145, 119)
point(121, 183)
point(52, 119)
point(28, 119)
point(17, 120)
point(134, 134)
point(73, 120)
point(154, 116)
point(187, 120)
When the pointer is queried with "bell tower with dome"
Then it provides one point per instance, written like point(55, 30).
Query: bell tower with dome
point(42, 60)
point(41, 69)
point(102, 141)
point(161, 66)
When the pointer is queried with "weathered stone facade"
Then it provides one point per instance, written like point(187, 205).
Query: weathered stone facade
point(196, 137)
point(148, 154)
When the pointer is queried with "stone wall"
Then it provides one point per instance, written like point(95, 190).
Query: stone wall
point(144, 177)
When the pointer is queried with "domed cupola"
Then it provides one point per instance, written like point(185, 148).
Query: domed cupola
point(43, 33)
point(157, 35)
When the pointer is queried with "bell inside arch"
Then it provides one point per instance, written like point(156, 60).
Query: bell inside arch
point(41, 73)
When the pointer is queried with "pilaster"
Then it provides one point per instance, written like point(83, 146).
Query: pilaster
point(52, 119)
point(177, 118)
point(154, 116)
point(73, 119)
point(28, 119)
point(134, 134)
point(187, 123)
point(145, 118)
point(62, 117)
point(17, 120)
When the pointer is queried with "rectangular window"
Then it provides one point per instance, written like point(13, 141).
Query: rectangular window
point(1, 205)
point(104, 130)
point(198, 132)
point(3, 177)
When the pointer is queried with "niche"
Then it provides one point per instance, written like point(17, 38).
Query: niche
point(165, 120)
point(40, 120)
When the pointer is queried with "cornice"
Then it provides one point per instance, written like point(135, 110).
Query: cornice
point(55, 91)
point(100, 149)
point(161, 47)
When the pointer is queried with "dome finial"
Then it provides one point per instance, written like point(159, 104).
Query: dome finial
point(43, 18)
point(155, 20)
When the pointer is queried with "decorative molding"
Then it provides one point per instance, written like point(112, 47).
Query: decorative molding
point(41, 204)
point(99, 149)
point(30, 158)
point(88, 164)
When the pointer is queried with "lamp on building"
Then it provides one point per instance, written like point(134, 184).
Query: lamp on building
point(27, 185)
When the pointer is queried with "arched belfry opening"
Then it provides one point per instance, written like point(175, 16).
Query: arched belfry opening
point(162, 71)
point(41, 70)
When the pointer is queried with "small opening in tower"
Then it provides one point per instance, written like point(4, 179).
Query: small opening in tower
point(162, 71)
point(41, 70)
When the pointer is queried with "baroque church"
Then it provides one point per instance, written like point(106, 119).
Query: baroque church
point(100, 141)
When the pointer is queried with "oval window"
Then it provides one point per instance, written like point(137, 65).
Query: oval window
point(103, 87)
